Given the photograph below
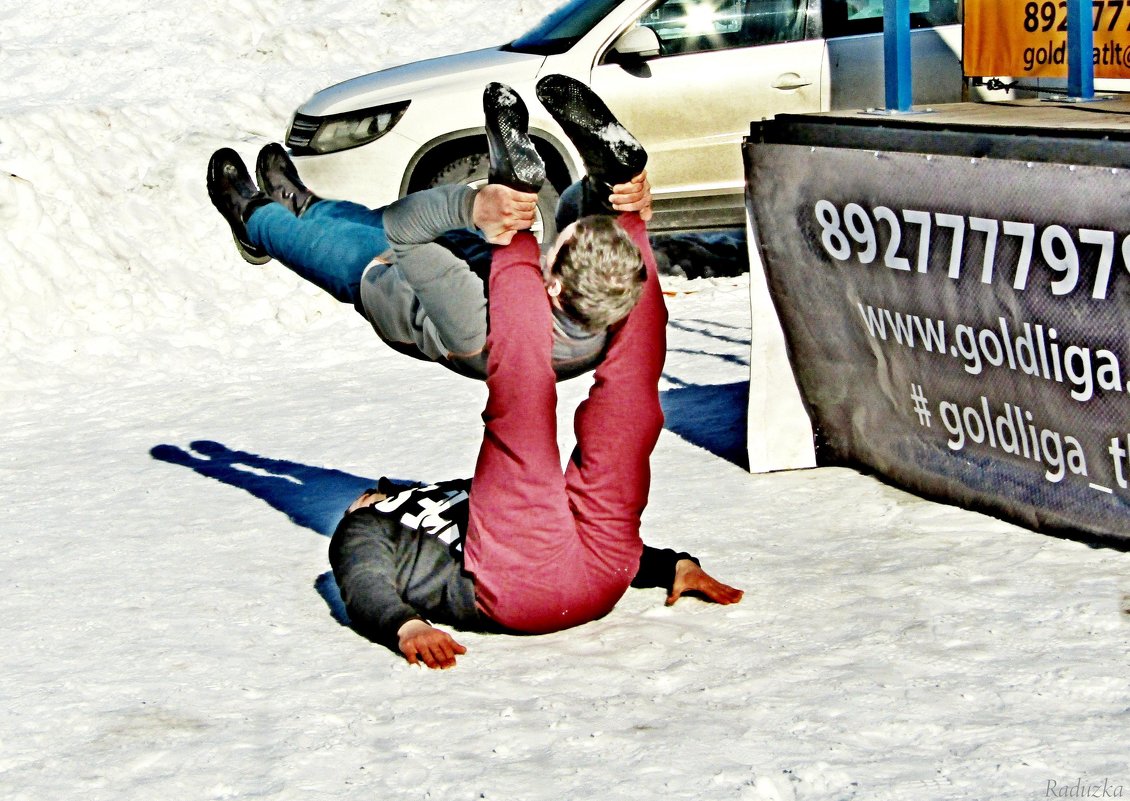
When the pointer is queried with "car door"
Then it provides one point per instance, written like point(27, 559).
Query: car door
point(722, 64)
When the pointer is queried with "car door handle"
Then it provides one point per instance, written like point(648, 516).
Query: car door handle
point(790, 80)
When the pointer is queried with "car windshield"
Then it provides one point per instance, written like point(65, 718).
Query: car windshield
point(563, 28)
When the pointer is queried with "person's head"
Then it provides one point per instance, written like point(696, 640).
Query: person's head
point(595, 272)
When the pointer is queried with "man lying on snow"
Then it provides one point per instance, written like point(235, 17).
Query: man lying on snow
point(524, 547)
point(397, 557)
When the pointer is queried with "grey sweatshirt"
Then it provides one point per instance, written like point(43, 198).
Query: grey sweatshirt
point(448, 303)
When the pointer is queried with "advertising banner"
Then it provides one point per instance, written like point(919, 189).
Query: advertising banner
point(1028, 38)
point(958, 324)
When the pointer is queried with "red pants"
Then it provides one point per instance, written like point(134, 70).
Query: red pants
point(549, 551)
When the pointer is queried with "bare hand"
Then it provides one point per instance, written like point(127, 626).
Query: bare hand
point(500, 212)
point(419, 642)
point(689, 577)
point(633, 196)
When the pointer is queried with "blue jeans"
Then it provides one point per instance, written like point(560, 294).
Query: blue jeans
point(330, 245)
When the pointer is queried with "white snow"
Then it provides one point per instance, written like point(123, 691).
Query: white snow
point(165, 632)
point(618, 136)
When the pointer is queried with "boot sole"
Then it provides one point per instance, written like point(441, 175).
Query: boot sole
point(514, 161)
point(610, 152)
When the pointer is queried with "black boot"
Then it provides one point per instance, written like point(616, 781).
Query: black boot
point(611, 154)
point(595, 198)
point(582, 199)
point(278, 177)
point(235, 196)
point(514, 161)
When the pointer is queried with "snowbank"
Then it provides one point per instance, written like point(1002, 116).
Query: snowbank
point(111, 250)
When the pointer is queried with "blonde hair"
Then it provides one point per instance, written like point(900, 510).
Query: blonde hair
point(602, 273)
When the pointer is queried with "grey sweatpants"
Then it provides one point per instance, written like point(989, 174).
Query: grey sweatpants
point(391, 306)
point(425, 301)
point(428, 303)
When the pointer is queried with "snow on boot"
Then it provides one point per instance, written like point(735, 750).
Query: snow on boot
point(514, 161)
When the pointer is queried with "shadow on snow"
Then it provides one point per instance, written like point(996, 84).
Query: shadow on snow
point(711, 416)
point(312, 497)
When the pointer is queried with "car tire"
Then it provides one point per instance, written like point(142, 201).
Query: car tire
point(472, 170)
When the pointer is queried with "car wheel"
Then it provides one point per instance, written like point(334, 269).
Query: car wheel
point(472, 170)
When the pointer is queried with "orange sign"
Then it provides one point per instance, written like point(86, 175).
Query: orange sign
point(1028, 38)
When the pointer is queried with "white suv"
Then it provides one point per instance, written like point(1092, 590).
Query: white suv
point(685, 76)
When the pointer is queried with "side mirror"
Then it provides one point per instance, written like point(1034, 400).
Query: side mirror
point(636, 44)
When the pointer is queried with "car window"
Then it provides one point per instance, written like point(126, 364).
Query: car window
point(693, 26)
point(563, 27)
point(856, 17)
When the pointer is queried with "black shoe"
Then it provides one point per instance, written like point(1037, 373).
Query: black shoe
point(235, 196)
point(514, 161)
point(611, 154)
point(594, 198)
point(278, 177)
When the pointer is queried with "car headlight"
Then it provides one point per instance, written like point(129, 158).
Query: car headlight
point(315, 135)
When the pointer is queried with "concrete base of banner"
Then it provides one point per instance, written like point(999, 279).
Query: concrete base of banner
point(779, 435)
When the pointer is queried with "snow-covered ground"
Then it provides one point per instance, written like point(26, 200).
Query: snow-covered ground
point(181, 430)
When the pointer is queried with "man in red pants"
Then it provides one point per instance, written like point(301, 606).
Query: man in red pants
point(549, 551)
point(544, 550)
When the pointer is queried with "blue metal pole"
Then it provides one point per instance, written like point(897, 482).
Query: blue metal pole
point(896, 53)
point(1080, 50)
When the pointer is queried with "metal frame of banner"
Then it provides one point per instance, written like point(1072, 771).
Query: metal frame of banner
point(1080, 61)
point(896, 54)
point(1080, 46)
point(898, 78)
